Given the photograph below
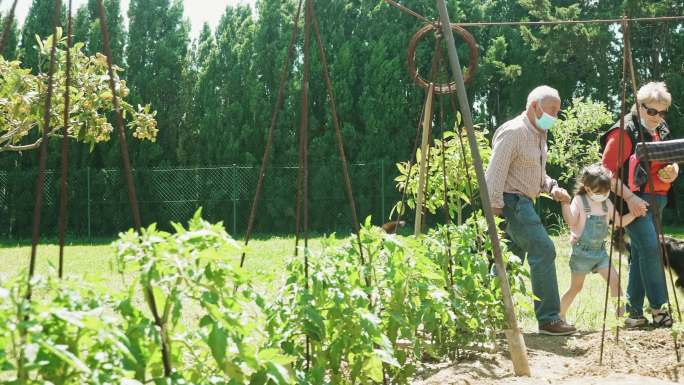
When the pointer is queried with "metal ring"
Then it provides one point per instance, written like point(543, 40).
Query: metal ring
point(442, 88)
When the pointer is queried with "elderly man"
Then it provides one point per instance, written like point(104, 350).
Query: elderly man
point(515, 177)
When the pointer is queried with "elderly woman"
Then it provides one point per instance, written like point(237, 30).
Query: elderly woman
point(646, 278)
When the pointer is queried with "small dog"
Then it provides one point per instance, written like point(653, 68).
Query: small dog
point(620, 243)
point(393, 226)
point(674, 249)
point(675, 254)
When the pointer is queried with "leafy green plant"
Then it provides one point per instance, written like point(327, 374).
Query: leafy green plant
point(188, 270)
point(336, 315)
point(475, 291)
point(574, 142)
point(415, 304)
point(456, 161)
point(334, 321)
point(418, 305)
point(66, 334)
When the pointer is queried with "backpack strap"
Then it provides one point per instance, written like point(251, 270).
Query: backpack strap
point(585, 203)
point(664, 131)
point(604, 204)
point(631, 129)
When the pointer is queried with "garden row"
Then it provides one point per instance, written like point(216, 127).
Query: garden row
point(349, 323)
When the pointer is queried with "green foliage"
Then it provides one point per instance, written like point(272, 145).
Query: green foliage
point(575, 140)
point(224, 109)
point(474, 289)
point(334, 312)
point(38, 25)
point(66, 334)
point(452, 152)
point(22, 101)
point(11, 45)
point(188, 269)
point(408, 302)
point(156, 54)
point(364, 323)
point(87, 28)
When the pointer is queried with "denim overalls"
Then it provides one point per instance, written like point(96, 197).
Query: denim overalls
point(589, 253)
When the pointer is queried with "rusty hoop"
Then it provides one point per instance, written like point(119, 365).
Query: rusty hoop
point(449, 88)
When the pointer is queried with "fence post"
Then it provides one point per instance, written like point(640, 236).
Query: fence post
point(88, 200)
point(235, 198)
point(197, 188)
point(382, 190)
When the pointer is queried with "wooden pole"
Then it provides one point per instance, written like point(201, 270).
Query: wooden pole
point(515, 339)
point(424, 148)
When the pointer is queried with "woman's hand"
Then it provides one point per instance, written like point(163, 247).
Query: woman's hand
point(669, 173)
point(637, 206)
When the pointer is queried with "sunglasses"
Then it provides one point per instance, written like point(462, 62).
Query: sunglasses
point(653, 111)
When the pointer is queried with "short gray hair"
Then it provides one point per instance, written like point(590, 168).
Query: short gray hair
point(654, 92)
point(542, 93)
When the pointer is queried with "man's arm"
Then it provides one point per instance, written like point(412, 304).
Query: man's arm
point(503, 147)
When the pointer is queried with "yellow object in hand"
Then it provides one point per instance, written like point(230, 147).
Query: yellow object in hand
point(666, 172)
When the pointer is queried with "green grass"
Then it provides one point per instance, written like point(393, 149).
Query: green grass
point(93, 262)
point(675, 231)
point(266, 260)
point(587, 309)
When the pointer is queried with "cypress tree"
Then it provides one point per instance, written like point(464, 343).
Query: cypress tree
point(39, 22)
point(10, 50)
point(157, 56)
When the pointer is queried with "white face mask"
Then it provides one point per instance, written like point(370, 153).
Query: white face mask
point(647, 126)
point(598, 197)
point(546, 121)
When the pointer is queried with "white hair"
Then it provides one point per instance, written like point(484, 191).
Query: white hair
point(542, 93)
point(654, 92)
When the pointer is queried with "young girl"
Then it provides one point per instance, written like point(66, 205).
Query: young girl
point(588, 218)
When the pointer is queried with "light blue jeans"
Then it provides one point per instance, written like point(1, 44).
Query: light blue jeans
point(530, 239)
point(646, 276)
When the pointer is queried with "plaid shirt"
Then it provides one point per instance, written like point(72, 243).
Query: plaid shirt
point(518, 162)
point(670, 151)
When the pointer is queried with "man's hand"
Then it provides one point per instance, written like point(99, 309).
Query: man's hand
point(560, 194)
point(637, 206)
point(498, 211)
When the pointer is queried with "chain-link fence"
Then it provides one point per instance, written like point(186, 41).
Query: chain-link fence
point(98, 199)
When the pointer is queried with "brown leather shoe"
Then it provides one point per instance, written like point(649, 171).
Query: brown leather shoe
point(557, 328)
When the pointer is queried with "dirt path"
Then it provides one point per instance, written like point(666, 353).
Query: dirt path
point(640, 358)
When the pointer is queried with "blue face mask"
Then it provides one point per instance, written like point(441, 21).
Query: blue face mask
point(546, 121)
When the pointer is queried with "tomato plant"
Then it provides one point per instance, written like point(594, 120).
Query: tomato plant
point(189, 270)
point(333, 322)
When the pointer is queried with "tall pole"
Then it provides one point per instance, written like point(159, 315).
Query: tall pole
point(513, 335)
point(90, 237)
point(422, 174)
point(236, 196)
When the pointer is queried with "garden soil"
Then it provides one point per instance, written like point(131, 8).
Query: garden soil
point(640, 357)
